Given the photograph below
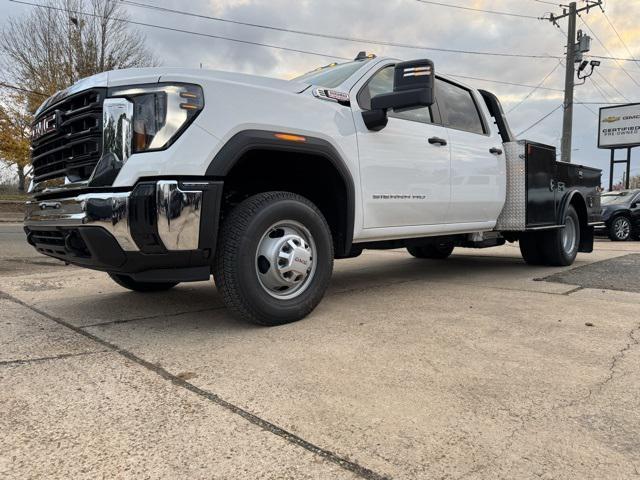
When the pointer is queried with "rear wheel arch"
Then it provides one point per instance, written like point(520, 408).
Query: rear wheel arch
point(255, 161)
point(575, 199)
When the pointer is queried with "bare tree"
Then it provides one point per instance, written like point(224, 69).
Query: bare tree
point(53, 47)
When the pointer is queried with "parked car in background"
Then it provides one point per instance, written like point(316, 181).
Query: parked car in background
point(621, 214)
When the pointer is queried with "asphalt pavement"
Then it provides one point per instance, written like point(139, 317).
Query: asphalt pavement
point(478, 366)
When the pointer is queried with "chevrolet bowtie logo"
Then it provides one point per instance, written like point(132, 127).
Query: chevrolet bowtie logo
point(611, 119)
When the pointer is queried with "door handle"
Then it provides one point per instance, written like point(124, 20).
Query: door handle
point(496, 151)
point(438, 141)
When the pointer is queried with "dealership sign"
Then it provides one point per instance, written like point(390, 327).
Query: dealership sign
point(619, 126)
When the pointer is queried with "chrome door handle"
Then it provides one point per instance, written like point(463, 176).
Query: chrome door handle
point(496, 151)
point(437, 141)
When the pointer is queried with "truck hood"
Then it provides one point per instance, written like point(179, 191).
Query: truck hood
point(133, 76)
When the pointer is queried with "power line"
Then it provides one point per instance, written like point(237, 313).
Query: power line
point(339, 37)
point(584, 22)
point(180, 30)
point(269, 45)
point(599, 103)
point(503, 82)
point(602, 57)
point(555, 4)
point(540, 120)
point(473, 9)
point(620, 37)
point(535, 89)
point(612, 86)
point(326, 35)
point(563, 33)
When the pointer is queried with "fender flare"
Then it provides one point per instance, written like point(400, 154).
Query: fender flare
point(566, 201)
point(586, 232)
point(248, 140)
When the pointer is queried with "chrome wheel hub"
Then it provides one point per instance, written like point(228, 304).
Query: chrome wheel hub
point(285, 259)
point(569, 235)
point(621, 228)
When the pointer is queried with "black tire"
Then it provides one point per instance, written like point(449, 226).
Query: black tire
point(238, 267)
point(620, 229)
point(437, 251)
point(554, 248)
point(531, 248)
point(131, 284)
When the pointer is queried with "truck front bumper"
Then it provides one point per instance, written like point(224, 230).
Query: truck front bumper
point(158, 225)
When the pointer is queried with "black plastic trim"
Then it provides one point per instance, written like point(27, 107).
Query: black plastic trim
point(143, 218)
point(495, 109)
point(210, 216)
point(107, 255)
point(248, 140)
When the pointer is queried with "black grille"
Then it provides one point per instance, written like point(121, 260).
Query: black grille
point(74, 147)
point(58, 242)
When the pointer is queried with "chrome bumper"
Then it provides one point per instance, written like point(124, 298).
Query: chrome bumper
point(177, 215)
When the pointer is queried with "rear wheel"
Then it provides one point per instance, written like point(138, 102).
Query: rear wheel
point(620, 230)
point(531, 248)
point(275, 258)
point(130, 284)
point(560, 247)
point(438, 251)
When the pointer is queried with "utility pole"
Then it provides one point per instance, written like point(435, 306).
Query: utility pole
point(574, 54)
point(567, 119)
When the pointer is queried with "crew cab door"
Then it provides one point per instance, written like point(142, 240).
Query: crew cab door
point(478, 170)
point(405, 167)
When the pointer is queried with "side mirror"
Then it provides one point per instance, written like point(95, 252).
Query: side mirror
point(634, 205)
point(412, 88)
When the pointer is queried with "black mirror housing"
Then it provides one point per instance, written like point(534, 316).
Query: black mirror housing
point(375, 120)
point(413, 85)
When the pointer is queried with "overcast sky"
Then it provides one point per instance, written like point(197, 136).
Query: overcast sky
point(416, 23)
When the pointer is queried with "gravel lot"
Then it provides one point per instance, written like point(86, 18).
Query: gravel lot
point(466, 368)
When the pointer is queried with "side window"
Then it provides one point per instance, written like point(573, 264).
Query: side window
point(458, 108)
point(382, 82)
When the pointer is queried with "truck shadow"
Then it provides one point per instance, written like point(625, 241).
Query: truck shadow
point(200, 303)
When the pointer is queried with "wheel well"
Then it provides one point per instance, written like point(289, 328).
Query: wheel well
point(311, 175)
point(586, 232)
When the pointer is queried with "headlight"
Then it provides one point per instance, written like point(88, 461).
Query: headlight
point(161, 112)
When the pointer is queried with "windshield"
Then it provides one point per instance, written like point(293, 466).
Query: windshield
point(330, 76)
point(615, 198)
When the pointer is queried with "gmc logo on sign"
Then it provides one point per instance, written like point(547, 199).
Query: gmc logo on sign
point(44, 126)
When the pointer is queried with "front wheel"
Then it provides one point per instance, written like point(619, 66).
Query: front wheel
point(620, 230)
point(274, 259)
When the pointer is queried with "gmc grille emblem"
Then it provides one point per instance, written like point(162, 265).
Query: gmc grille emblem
point(44, 126)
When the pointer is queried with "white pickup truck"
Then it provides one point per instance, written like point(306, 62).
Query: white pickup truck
point(160, 176)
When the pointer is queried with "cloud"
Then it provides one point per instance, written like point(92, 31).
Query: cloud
point(416, 23)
